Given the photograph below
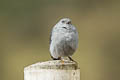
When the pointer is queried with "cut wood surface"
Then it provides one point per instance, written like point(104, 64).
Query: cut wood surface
point(52, 70)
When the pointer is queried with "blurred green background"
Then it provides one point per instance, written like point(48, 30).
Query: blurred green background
point(25, 27)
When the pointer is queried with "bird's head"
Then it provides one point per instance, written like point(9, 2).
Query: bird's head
point(65, 21)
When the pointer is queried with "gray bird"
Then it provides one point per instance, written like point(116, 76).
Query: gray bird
point(63, 39)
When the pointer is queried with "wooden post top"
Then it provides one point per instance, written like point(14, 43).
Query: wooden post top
point(53, 64)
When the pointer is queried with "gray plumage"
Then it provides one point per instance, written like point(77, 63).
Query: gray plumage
point(63, 39)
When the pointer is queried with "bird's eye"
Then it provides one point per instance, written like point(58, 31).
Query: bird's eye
point(69, 22)
point(63, 21)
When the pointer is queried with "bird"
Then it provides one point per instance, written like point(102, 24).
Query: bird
point(63, 40)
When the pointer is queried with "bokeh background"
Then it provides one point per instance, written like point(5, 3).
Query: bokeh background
point(25, 27)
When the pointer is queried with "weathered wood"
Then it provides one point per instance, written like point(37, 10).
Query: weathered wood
point(53, 70)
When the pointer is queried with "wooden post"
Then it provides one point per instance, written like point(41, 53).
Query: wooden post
point(53, 70)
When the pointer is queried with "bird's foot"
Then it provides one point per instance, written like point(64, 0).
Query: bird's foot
point(62, 61)
point(59, 58)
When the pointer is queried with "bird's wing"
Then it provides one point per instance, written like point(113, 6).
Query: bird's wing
point(50, 36)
